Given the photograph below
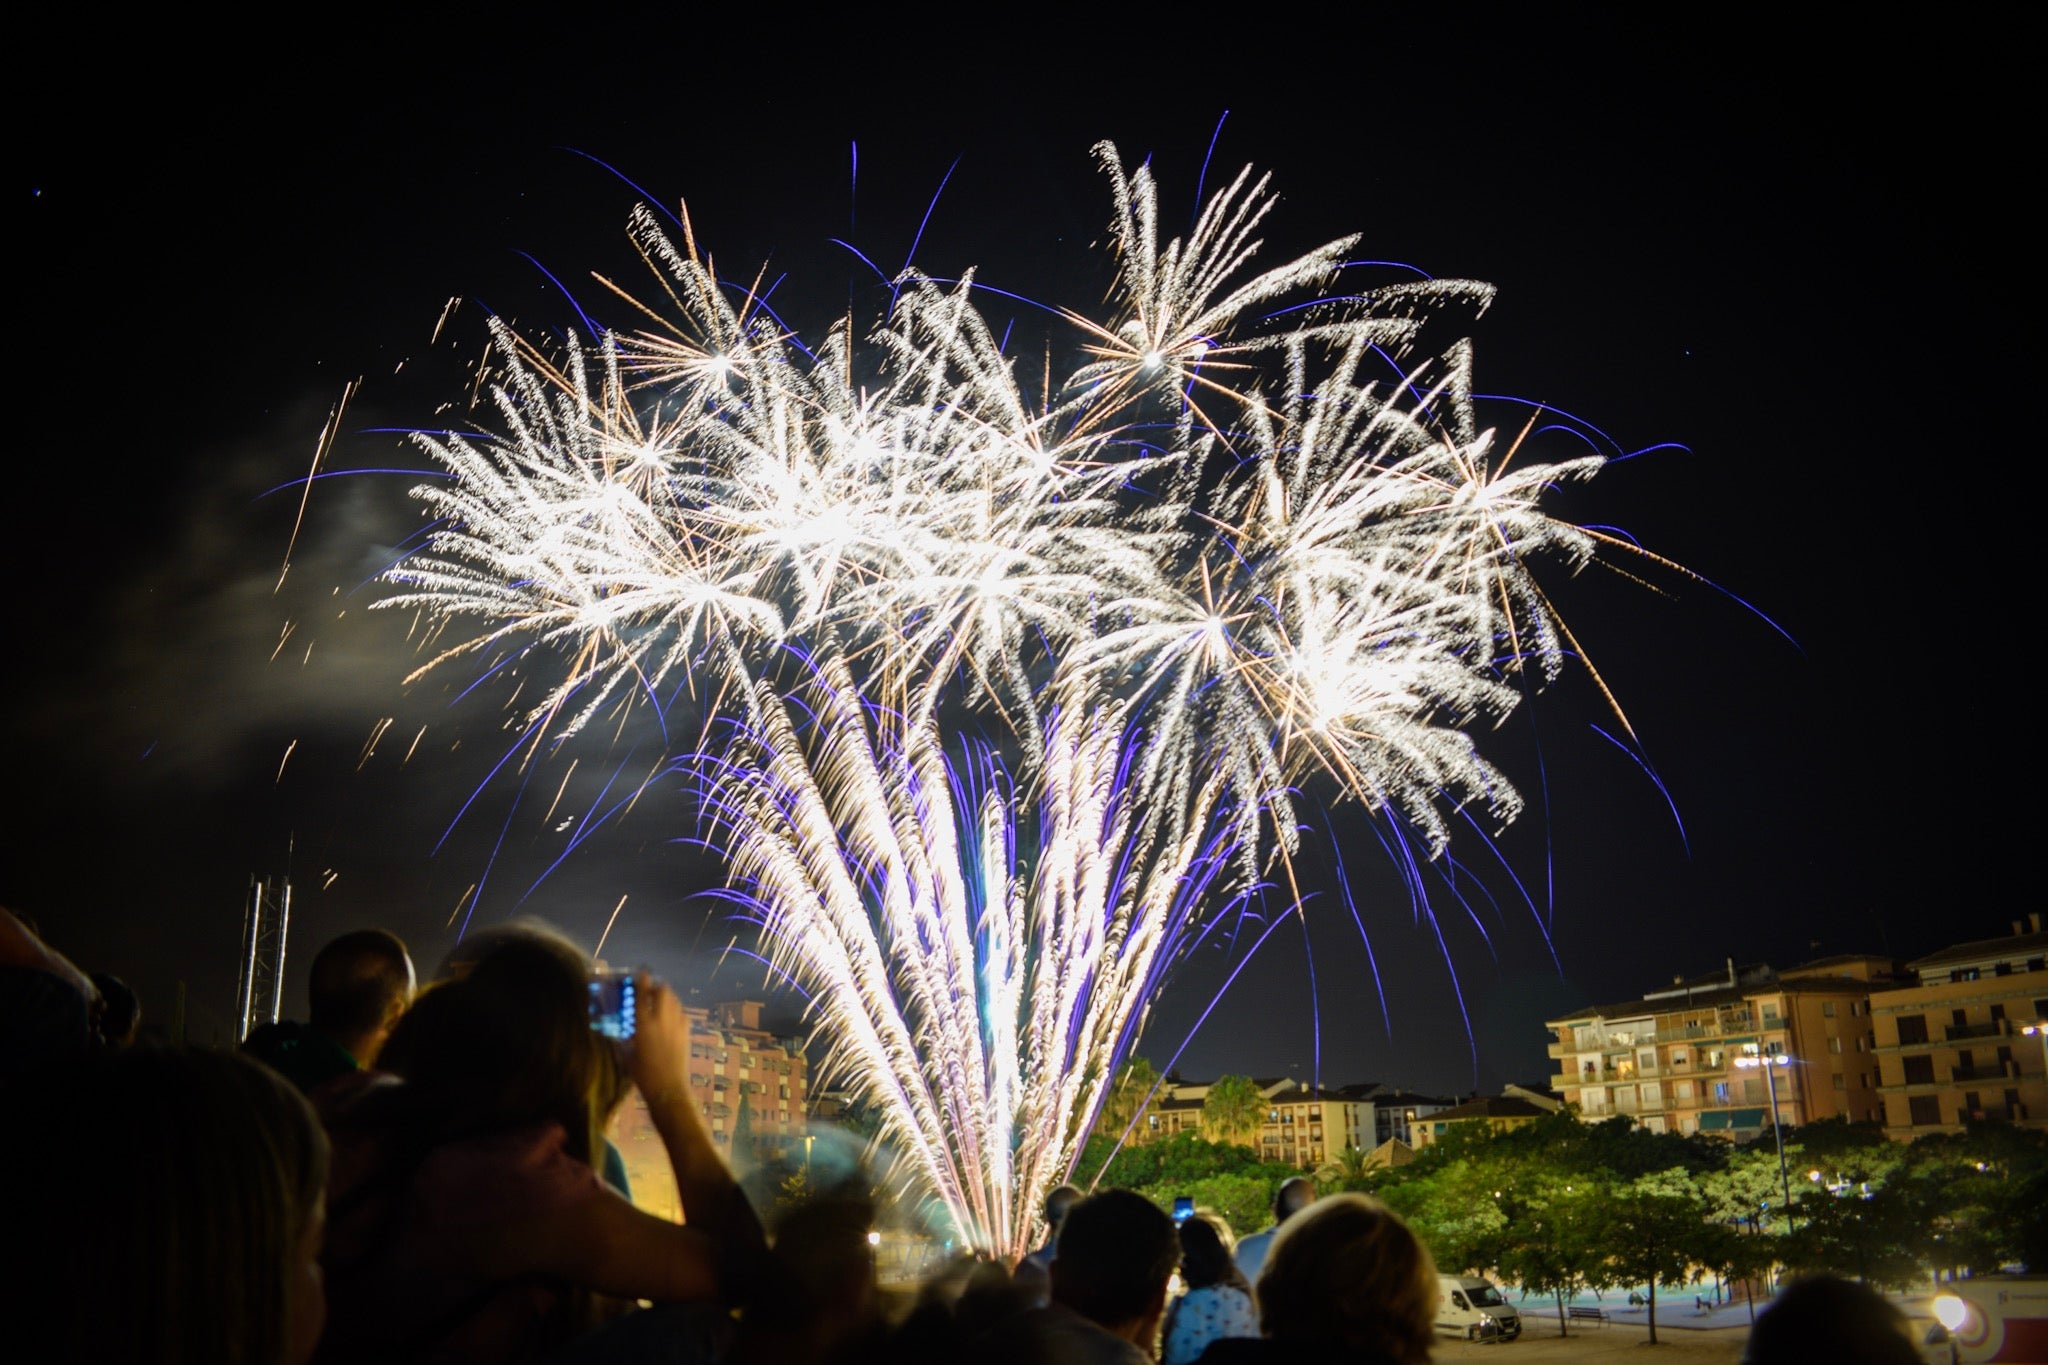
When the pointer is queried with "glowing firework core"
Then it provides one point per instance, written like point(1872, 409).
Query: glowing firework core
point(1004, 693)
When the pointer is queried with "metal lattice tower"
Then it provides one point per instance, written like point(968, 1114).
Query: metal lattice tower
point(265, 922)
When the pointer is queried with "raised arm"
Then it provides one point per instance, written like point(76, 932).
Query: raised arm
point(713, 1203)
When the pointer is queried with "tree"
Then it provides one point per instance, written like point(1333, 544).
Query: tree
point(1349, 1169)
point(1234, 1110)
point(1555, 1246)
point(1652, 1231)
point(1130, 1097)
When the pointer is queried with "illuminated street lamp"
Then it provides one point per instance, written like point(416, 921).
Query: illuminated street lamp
point(1769, 1062)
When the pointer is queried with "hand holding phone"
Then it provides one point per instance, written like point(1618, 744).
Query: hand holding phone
point(614, 1009)
point(1183, 1208)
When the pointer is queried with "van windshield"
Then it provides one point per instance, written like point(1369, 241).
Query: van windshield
point(1486, 1296)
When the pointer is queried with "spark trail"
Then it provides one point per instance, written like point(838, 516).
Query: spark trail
point(1004, 691)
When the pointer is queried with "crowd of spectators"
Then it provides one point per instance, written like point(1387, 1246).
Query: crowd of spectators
point(423, 1176)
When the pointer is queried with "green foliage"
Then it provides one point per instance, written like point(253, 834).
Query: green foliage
point(1179, 1164)
point(1245, 1201)
point(1131, 1097)
point(1234, 1110)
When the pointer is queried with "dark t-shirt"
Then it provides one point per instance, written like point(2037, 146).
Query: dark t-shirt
point(295, 1051)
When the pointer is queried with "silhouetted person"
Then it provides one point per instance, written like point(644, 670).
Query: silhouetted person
point(1347, 1282)
point(1034, 1272)
point(1117, 1254)
point(120, 1012)
point(1822, 1320)
point(47, 1005)
point(163, 1205)
point(361, 985)
point(1291, 1198)
point(1218, 1303)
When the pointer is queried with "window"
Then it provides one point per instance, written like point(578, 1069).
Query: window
point(1834, 1044)
point(1841, 1081)
point(1827, 1009)
point(1997, 1013)
point(1720, 1092)
point(1912, 1028)
point(1919, 1070)
point(1923, 1109)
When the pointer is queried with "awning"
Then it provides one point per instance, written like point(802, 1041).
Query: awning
point(1716, 1119)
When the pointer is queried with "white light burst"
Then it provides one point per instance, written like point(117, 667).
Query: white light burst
point(1003, 690)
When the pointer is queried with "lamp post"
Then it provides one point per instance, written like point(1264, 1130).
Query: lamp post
point(1769, 1062)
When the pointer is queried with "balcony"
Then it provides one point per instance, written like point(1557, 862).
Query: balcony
point(1988, 1071)
point(1995, 1028)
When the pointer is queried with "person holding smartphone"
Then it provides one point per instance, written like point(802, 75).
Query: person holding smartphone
point(466, 1220)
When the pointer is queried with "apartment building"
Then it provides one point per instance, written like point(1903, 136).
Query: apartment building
point(734, 1063)
point(1951, 1045)
point(1671, 1060)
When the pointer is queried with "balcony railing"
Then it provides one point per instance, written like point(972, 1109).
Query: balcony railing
point(1988, 1071)
point(1995, 1028)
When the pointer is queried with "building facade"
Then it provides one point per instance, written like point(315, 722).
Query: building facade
point(1673, 1060)
point(1952, 1045)
point(734, 1064)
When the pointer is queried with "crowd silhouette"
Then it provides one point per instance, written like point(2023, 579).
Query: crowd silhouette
point(422, 1175)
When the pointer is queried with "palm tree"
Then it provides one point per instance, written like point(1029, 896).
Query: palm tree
point(1347, 1170)
point(1234, 1111)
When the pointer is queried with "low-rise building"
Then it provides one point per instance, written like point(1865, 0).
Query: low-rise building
point(1951, 1045)
point(1497, 1112)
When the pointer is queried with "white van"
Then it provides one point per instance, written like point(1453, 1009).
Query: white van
point(1469, 1307)
point(1991, 1317)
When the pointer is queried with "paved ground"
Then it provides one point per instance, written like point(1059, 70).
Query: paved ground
point(1622, 1341)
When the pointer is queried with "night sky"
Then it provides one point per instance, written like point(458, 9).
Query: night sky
point(1798, 255)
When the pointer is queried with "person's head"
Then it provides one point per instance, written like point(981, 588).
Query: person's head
point(1349, 1273)
point(189, 1231)
point(1820, 1317)
point(1205, 1247)
point(1292, 1197)
point(362, 982)
point(1116, 1255)
point(120, 1013)
point(1058, 1204)
point(509, 1044)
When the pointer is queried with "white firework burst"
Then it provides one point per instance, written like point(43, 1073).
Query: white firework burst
point(989, 680)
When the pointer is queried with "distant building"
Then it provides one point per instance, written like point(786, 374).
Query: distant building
point(734, 1062)
point(1668, 1060)
point(1305, 1125)
point(1395, 1113)
point(1950, 1045)
point(1497, 1112)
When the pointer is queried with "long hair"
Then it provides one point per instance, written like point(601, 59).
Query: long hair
point(1205, 1258)
point(165, 1198)
point(1347, 1272)
point(506, 1045)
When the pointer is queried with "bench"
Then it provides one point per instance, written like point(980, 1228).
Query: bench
point(1577, 1314)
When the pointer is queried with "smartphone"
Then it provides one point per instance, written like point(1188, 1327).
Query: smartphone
point(1183, 1208)
point(611, 1005)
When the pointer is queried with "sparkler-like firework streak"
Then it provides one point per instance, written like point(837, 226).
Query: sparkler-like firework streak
point(1004, 690)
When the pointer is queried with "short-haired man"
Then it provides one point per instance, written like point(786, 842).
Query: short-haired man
point(1034, 1272)
point(1117, 1254)
point(1291, 1198)
point(361, 984)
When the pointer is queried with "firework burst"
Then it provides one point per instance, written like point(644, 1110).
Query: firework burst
point(1004, 691)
